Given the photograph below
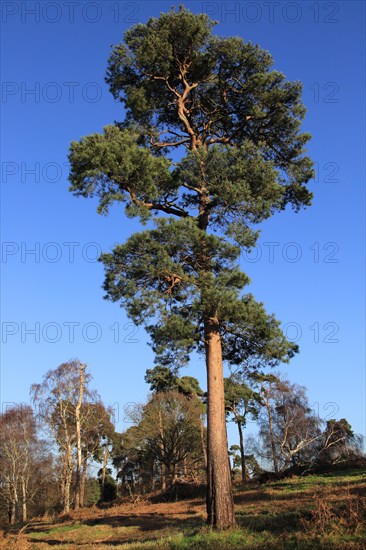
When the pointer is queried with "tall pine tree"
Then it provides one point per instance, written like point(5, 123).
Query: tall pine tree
point(232, 126)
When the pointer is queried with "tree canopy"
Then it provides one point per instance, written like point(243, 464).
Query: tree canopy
point(240, 122)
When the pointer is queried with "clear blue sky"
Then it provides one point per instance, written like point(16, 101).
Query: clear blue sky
point(60, 51)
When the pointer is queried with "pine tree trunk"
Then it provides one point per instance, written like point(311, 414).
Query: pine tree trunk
point(242, 455)
point(220, 506)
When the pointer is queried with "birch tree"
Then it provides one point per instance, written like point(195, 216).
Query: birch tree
point(58, 399)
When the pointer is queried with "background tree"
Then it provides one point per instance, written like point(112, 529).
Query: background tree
point(162, 379)
point(180, 434)
point(21, 454)
point(137, 471)
point(238, 123)
point(338, 444)
point(97, 435)
point(234, 453)
point(165, 431)
point(242, 402)
point(268, 386)
point(79, 458)
point(58, 400)
point(189, 386)
point(109, 485)
point(297, 427)
point(92, 491)
point(289, 429)
point(45, 482)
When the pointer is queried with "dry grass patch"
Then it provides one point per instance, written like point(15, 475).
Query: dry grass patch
point(318, 512)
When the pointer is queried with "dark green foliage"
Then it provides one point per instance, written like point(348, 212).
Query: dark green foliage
point(112, 166)
point(240, 122)
point(252, 466)
point(189, 386)
point(162, 379)
point(92, 489)
point(241, 400)
point(235, 97)
point(110, 486)
point(157, 274)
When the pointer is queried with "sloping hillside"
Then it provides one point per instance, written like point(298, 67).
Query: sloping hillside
point(323, 511)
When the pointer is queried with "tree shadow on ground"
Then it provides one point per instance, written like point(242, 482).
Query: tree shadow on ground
point(147, 525)
point(145, 522)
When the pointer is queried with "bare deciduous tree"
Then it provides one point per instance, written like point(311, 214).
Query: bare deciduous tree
point(59, 399)
point(18, 446)
point(289, 429)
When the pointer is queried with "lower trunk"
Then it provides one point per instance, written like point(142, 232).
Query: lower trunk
point(173, 475)
point(78, 436)
point(14, 503)
point(220, 506)
point(163, 467)
point(67, 481)
point(67, 495)
point(24, 501)
point(83, 480)
point(273, 446)
point(77, 484)
point(152, 484)
point(62, 480)
point(12, 513)
point(163, 477)
point(242, 455)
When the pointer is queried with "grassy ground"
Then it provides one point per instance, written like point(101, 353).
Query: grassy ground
point(323, 511)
